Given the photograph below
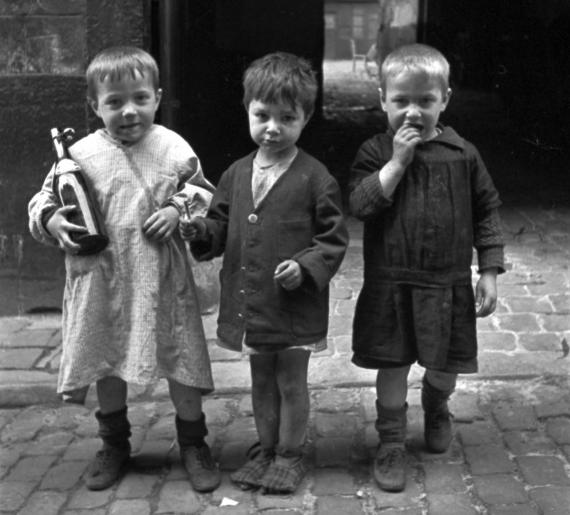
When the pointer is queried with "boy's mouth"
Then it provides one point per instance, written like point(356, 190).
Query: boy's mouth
point(417, 126)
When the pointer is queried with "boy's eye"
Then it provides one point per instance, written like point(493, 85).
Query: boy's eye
point(113, 102)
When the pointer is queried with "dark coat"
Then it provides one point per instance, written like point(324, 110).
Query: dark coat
point(445, 204)
point(301, 218)
point(417, 300)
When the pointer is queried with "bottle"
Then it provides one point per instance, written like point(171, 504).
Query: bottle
point(71, 187)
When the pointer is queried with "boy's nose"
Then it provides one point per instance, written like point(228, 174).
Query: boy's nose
point(129, 110)
point(412, 113)
point(272, 126)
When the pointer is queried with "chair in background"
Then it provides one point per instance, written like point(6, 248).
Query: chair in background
point(368, 59)
point(356, 56)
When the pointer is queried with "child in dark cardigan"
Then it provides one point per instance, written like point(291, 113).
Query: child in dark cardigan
point(277, 217)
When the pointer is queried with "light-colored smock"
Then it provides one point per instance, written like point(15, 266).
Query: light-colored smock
point(131, 311)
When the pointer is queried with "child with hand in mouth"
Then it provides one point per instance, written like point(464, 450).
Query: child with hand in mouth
point(426, 200)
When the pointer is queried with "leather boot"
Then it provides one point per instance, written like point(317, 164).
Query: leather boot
point(390, 460)
point(195, 454)
point(437, 418)
point(109, 462)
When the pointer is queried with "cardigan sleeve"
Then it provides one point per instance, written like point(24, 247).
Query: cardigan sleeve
point(323, 258)
point(216, 221)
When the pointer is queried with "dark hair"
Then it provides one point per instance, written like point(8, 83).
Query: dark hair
point(281, 77)
point(115, 62)
point(416, 58)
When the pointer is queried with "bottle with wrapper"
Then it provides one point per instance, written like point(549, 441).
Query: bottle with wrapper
point(71, 187)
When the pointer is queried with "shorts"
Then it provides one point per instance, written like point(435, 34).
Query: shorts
point(396, 325)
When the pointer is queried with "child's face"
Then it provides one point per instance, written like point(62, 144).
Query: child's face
point(127, 106)
point(415, 99)
point(275, 127)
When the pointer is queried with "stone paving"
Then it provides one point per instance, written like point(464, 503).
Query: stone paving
point(510, 454)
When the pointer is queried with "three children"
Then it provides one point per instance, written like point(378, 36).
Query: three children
point(130, 312)
point(426, 200)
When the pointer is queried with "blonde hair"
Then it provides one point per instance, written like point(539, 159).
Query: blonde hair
point(416, 58)
point(116, 62)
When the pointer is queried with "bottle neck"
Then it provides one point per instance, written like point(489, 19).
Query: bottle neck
point(58, 144)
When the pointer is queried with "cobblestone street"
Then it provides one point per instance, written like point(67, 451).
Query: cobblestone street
point(510, 455)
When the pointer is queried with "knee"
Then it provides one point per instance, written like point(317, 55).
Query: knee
point(293, 391)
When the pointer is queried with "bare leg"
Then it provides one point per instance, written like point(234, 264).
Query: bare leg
point(292, 368)
point(187, 400)
point(265, 398)
point(111, 394)
point(392, 387)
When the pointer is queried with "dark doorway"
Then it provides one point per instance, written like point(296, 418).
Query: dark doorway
point(204, 47)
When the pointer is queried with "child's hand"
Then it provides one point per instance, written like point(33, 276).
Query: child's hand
point(486, 293)
point(289, 274)
point(192, 229)
point(405, 141)
point(60, 227)
point(160, 225)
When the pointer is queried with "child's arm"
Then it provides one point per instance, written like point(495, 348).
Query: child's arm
point(321, 260)
point(377, 170)
point(487, 236)
point(405, 141)
point(48, 222)
point(194, 193)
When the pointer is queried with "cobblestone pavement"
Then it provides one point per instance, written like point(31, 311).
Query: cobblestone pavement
point(510, 454)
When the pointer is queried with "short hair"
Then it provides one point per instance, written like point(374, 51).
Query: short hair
point(115, 62)
point(281, 77)
point(416, 58)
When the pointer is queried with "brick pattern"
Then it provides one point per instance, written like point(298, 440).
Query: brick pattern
point(504, 459)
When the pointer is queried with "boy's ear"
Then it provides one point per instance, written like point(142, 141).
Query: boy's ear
point(382, 99)
point(446, 97)
point(94, 105)
point(158, 96)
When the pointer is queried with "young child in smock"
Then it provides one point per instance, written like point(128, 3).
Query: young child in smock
point(426, 200)
point(277, 217)
point(130, 312)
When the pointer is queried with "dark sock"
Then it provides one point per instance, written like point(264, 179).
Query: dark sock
point(191, 433)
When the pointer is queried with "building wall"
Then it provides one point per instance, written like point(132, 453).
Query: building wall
point(345, 21)
point(44, 48)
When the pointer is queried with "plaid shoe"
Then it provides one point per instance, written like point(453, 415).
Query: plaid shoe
point(249, 475)
point(284, 475)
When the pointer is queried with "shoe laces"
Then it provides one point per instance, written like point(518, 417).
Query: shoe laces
point(202, 455)
point(391, 456)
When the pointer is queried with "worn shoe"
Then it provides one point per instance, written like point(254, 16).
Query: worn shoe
point(437, 430)
point(390, 467)
point(249, 475)
point(202, 470)
point(107, 467)
point(284, 475)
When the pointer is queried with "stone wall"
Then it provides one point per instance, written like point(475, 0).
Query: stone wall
point(44, 48)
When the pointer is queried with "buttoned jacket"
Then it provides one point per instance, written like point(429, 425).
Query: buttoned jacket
point(300, 218)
